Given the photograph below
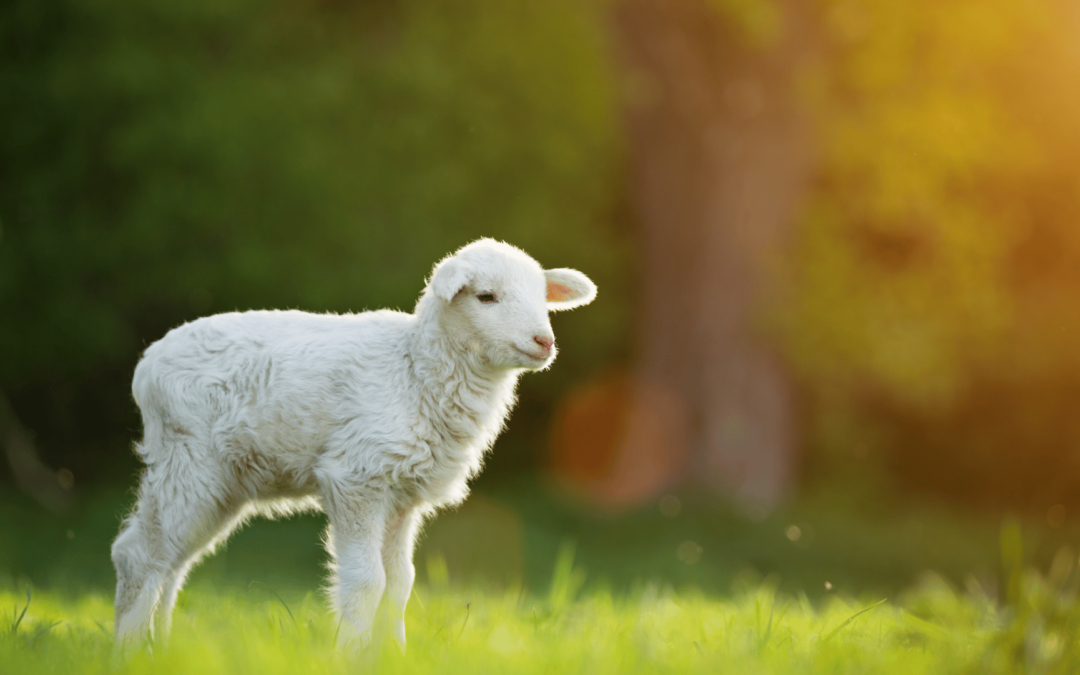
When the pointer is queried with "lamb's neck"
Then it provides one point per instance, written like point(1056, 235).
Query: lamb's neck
point(467, 394)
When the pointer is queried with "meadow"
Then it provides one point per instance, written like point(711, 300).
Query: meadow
point(524, 582)
point(454, 630)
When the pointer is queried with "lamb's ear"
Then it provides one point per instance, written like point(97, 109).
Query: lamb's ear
point(450, 276)
point(567, 289)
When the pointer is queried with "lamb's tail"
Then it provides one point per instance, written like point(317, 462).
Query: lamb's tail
point(147, 394)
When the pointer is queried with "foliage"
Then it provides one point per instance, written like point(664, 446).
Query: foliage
point(928, 298)
point(165, 160)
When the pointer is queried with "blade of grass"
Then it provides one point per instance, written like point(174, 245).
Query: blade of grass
point(924, 626)
point(768, 631)
point(44, 630)
point(15, 626)
point(269, 588)
point(468, 610)
point(420, 601)
point(851, 618)
point(103, 631)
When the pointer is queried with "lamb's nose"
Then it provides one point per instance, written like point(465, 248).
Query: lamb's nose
point(544, 342)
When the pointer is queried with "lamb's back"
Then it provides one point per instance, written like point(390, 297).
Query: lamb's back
point(266, 363)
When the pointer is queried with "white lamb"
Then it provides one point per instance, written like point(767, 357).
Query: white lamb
point(376, 418)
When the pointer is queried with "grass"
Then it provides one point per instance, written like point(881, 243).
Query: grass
point(851, 594)
point(651, 628)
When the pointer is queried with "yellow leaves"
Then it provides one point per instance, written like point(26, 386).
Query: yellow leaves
point(910, 327)
point(898, 281)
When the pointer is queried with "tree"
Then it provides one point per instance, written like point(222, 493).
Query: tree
point(719, 161)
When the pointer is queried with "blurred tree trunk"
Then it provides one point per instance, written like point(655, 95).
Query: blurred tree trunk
point(719, 161)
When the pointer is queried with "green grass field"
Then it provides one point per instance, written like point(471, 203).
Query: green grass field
point(651, 629)
point(626, 598)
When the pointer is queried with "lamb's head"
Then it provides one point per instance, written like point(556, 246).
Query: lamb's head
point(493, 300)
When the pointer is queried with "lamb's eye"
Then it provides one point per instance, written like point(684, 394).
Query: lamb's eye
point(486, 298)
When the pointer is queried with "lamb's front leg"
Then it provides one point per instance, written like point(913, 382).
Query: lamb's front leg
point(355, 542)
point(400, 573)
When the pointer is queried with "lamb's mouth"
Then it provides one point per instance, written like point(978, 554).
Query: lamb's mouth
point(533, 356)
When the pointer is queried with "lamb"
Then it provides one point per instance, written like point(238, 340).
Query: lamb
point(377, 418)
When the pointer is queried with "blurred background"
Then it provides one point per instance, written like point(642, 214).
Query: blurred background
point(836, 242)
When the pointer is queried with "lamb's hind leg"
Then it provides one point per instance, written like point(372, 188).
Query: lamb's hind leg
point(136, 591)
point(202, 538)
point(142, 563)
point(154, 549)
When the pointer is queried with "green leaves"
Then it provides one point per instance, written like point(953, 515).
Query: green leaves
point(285, 155)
